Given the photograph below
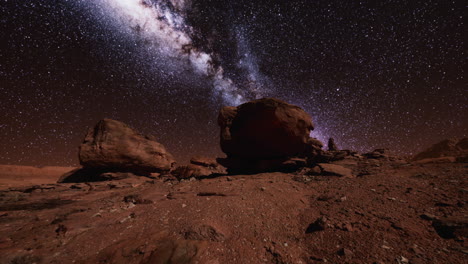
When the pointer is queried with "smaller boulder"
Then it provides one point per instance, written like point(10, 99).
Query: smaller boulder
point(335, 170)
point(112, 145)
point(200, 167)
point(191, 170)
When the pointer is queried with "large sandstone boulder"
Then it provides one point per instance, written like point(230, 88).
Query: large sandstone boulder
point(112, 145)
point(265, 129)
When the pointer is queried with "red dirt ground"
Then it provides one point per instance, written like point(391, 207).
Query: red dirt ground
point(386, 214)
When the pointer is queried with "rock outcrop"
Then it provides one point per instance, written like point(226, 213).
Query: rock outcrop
point(446, 148)
point(332, 145)
point(199, 167)
point(114, 145)
point(112, 150)
point(377, 154)
point(265, 130)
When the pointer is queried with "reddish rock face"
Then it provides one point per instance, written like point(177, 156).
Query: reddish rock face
point(264, 129)
point(445, 148)
point(112, 144)
point(199, 167)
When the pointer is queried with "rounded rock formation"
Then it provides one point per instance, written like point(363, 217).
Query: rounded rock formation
point(112, 145)
point(264, 129)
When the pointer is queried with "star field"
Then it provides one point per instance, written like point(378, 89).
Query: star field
point(372, 74)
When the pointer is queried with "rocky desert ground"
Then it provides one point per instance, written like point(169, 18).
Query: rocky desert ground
point(130, 202)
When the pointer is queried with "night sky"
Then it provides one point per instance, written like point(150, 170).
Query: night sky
point(372, 74)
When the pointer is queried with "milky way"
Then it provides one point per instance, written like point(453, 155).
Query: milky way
point(371, 74)
point(161, 23)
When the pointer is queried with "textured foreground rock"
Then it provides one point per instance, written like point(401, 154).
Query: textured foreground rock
point(113, 145)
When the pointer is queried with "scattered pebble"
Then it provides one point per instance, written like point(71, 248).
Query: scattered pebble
point(428, 217)
point(402, 260)
point(345, 252)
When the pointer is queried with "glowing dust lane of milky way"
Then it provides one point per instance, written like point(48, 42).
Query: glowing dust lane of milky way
point(163, 27)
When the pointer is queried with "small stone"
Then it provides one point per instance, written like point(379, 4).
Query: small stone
point(416, 250)
point(318, 259)
point(324, 198)
point(386, 247)
point(345, 252)
point(402, 260)
point(263, 188)
point(184, 205)
point(61, 230)
point(429, 217)
point(348, 227)
point(359, 213)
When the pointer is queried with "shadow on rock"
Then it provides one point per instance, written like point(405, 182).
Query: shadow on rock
point(96, 175)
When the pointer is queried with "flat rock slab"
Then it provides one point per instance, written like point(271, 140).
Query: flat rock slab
point(335, 170)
